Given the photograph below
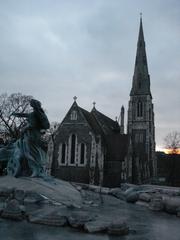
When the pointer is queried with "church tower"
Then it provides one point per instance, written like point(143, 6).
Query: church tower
point(141, 130)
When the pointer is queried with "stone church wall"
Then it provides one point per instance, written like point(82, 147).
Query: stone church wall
point(74, 172)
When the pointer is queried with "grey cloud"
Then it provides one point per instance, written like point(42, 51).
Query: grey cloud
point(57, 49)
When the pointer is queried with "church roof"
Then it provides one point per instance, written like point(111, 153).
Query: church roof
point(91, 121)
point(100, 123)
point(107, 124)
point(141, 78)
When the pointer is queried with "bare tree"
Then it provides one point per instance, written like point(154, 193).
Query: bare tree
point(10, 126)
point(172, 142)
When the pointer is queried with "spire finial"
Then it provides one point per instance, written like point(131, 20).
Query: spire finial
point(94, 104)
point(141, 15)
point(75, 98)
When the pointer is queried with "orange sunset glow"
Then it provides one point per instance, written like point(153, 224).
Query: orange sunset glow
point(167, 151)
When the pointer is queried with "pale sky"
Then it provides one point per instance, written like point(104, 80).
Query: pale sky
point(56, 49)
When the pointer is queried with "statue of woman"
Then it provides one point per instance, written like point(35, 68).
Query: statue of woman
point(28, 151)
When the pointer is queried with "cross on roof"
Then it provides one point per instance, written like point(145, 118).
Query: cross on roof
point(94, 104)
point(75, 98)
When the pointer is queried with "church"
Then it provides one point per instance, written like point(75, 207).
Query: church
point(90, 147)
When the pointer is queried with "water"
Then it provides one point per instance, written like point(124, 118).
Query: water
point(144, 225)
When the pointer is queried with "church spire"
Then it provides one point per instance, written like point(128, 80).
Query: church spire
point(141, 79)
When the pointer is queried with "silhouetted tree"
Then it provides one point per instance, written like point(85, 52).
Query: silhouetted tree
point(172, 144)
point(10, 126)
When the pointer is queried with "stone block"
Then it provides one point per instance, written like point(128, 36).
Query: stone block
point(19, 195)
point(6, 192)
point(118, 193)
point(2, 206)
point(13, 211)
point(178, 212)
point(118, 228)
point(97, 226)
point(142, 203)
point(49, 217)
point(78, 219)
point(146, 197)
point(132, 190)
point(156, 203)
point(32, 197)
point(132, 197)
point(172, 204)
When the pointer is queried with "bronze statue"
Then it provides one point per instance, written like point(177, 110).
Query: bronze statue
point(29, 157)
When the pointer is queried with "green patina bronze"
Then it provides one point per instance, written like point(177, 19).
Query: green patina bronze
point(28, 157)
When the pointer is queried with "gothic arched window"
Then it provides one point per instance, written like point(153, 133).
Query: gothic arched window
point(73, 149)
point(82, 153)
point(74, 115)
point(139, 109)
point(63, 153)
point(149, 113)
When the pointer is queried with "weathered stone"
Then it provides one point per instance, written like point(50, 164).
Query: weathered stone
point(90, 202)
point(156, 203)
point(146, 197)
point(72, 205)
point(125, 186)
point(118, 193)
point(104, 190)
point(19, 195)
point(3, 199)
point(118, 228)
point(79, 188)
point(55, 190)
point(178, 212)
point(132, 197)
point(2, 205)
point(78, 219)
point(132, 190)
point(95, 205)
point(32, 197)
point(6, 192)
point(172, 204)
point(96, 226)
point(48, 217)
point(12, 210)
point(22, 208)
point(142, 203)
point(95, 189)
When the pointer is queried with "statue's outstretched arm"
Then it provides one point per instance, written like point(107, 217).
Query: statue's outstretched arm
point(25, 115)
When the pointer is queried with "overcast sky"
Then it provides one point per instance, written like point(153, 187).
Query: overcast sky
point(56, 49)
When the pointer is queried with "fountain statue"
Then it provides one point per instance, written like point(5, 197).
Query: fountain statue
point(28, 157)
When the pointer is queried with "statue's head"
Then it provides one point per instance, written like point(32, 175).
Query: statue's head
point(35, 103)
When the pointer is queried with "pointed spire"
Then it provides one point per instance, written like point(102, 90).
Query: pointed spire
point(122, 120)
point(141, 33)
point(141, 79)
